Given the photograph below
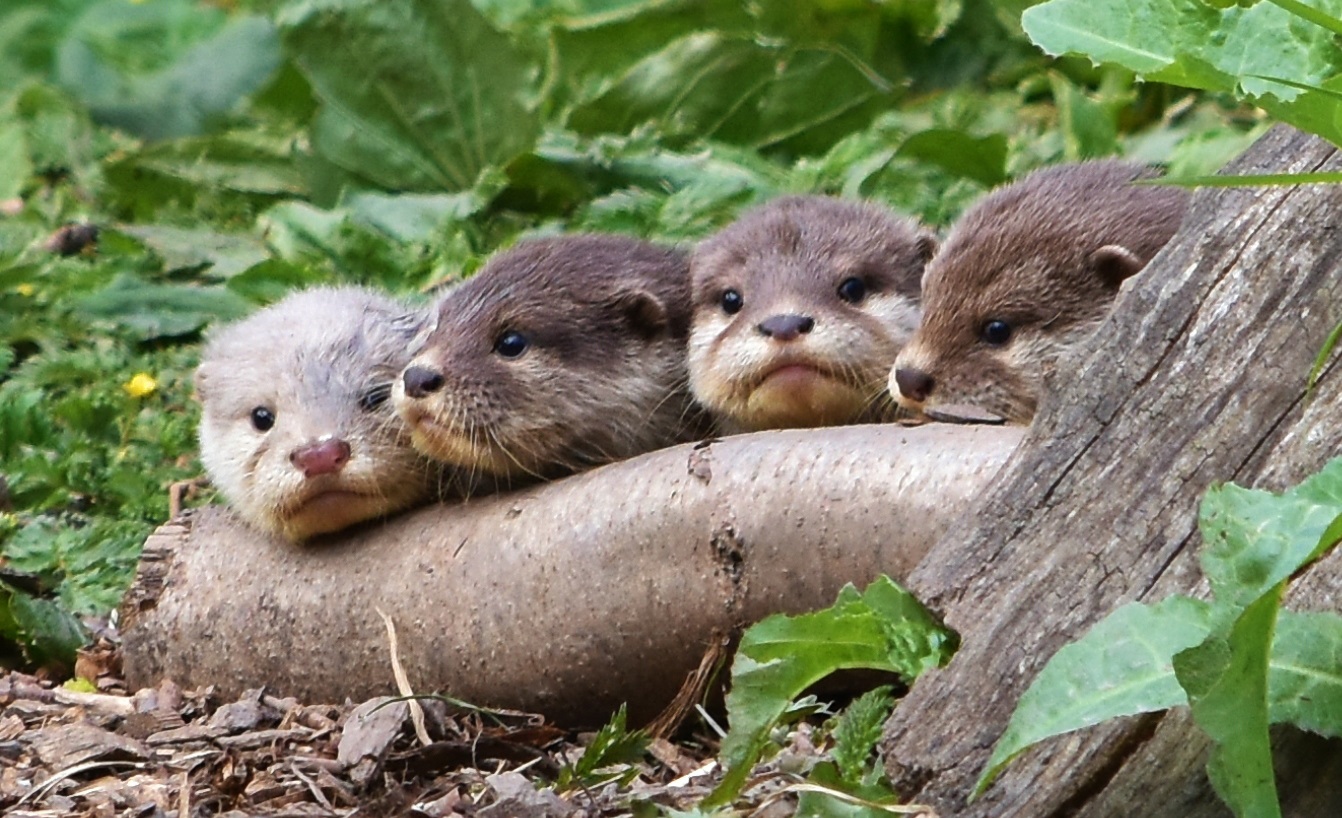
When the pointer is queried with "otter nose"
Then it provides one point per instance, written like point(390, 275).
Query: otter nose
point(420, 381)
point(786, 327)
point(325, 456)
point(914, 384)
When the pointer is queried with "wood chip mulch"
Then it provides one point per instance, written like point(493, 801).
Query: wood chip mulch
point(166, 751)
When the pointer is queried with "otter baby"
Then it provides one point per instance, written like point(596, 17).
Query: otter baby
point(1026, 274)
point(296, 429)
point(559, 355)
point(800, 307)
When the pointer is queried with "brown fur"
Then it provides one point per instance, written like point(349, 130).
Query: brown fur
point(603, 374)
point(789, 258)
point(1046, 255)
point(317, 361)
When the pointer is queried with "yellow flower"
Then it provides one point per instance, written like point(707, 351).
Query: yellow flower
point(142, 384)
point(26, 289)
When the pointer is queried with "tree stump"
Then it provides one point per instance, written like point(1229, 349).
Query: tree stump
point(1199, 376)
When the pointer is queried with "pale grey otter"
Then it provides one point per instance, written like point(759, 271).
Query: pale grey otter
point(559, 355)
point(800, 307)
point(296, 429)
point(1025, 274)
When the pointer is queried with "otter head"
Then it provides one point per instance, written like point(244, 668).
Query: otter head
point(296, 429)
point(799, 310)
point(1024, 276)
point(559, 355)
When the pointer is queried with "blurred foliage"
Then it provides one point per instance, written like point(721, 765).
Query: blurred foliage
point(230, 150)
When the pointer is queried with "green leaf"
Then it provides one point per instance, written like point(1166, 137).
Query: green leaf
point(982, 159)
point(1121, 667)
point(1088, 127)
point(1257, 539)
point(614, 745)
point(1190, 43)
point(430, 95)
point(221, 255)
point(47, 634)
point(190, 94)
point(160, 310)
point(858, 730)
point(1227, 680)
point(1305, 675)
point(883, 628)
point(15, 168)
point(737, 90)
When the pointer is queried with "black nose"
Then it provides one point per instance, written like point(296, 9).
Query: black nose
point(420, 381)
point(914, 384)
point(786, 327)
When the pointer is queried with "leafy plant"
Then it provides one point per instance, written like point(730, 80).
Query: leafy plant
point(882, 628)
point(1259, 51)
point(608, 758)
point(1239, 661)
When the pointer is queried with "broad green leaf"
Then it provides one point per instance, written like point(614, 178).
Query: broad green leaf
point(1227, 683)
point(204, 79)
point(1088, 127)
point(15, 167)
point(219, 255)
point(47, 634)
point(427, 97)
point(882, 628)
point(982, 159)
point(160, 310)
point(737, 90)
point(1305, 675)
point(1190, 43)
point(1121, 667)
point(1256, 539)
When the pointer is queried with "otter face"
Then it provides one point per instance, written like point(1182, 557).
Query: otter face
point(296, 427)
point(799, 310)
point(559, 355)
point(1025, 276)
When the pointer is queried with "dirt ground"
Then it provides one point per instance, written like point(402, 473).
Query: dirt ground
point(166, 751)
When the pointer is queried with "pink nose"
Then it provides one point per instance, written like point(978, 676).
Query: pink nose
point(322, 457)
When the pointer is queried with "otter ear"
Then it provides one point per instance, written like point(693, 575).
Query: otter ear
point(1114, 263)
point(644, 312)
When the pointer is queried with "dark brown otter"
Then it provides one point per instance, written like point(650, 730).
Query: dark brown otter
point(559, 355)
point(296, 430)
point(800, 308)
point(1026, 274)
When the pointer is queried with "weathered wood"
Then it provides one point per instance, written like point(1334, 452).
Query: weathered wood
point(1199, 376)
point(567, 599)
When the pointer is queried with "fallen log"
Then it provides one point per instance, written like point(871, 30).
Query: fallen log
point(569, 598)
point(1199, 376)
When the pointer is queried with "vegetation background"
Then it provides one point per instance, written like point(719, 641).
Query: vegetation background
point(229, 151)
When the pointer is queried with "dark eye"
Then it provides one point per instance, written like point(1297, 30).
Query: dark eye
point(996, 332)
point(374, 396)
point(852, 290)
point(732, 302)
point(262, 419)
point(511, 344)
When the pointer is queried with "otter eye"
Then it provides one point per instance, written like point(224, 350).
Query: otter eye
point(732, 302)
point(852, 290)
point(374, 396)
point(511, 344)
point(995, 332)
point(262, 419)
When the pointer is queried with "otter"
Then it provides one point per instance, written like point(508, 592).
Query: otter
point(559, 355)
point(296, 430)
point(1026, 274)
point(800, 307)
